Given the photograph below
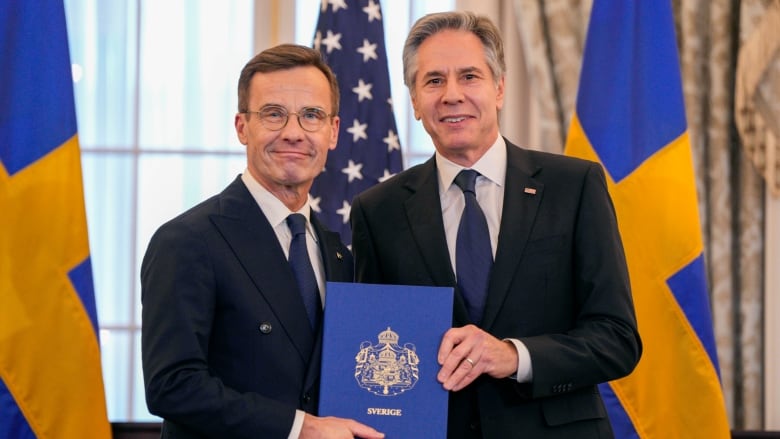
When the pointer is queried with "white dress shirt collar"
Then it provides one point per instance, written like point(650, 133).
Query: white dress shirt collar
point(492, 165)
point(273, 208)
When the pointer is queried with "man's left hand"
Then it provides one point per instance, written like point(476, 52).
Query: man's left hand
point(467, 352)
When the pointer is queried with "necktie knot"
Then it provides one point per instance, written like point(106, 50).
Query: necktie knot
point(467, 180)
point(297, 224)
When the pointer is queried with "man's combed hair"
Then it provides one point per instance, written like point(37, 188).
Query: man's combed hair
point(466, 21)
point(285, 57)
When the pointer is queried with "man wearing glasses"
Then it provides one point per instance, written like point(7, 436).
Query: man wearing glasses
point(232, 289)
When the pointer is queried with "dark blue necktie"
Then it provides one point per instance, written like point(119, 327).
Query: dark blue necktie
point(473, 254)
point(301, 266)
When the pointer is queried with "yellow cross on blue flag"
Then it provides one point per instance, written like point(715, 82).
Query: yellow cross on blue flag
point(51, 384)
point(630, 117)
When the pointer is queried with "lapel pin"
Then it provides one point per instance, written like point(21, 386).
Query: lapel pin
point(339, 256)
point(530, 190)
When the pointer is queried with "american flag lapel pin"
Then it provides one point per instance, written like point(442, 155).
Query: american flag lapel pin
point(530, 191)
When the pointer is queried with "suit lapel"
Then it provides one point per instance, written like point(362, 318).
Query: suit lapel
point(519, 213)
point(333, 257)
point(252, 239)
point(423, 210)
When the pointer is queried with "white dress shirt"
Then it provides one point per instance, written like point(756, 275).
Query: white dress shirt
point(276, 213)
point(490, 195)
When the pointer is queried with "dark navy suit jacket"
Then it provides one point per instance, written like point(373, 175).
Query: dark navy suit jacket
point(559, 284)
point(227, 348)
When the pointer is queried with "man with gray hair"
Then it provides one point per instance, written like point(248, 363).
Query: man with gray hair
point(543, 310)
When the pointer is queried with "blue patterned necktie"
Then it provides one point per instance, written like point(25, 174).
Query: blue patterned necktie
point(473, 254)
point(301, 266)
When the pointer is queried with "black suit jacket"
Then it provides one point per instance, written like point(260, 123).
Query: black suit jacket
point(227, 348)
point(559, 284)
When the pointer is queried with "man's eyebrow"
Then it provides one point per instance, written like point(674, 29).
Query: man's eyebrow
point(432, 73)
point(469, 69)
point(460, 71)
point(303, 107)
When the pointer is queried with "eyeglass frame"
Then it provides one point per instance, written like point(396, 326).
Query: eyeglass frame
point(287, 117)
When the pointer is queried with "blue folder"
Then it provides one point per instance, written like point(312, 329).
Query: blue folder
point(379, 364)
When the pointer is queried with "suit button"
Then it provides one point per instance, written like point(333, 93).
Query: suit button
point(265, 328)
point(306, 398)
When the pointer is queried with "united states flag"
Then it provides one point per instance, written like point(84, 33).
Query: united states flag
point(351, 38)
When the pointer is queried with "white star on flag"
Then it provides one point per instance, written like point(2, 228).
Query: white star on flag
point(363, 91)
point(353, 171)
point(358, 130)
point(344, 212)
point(373, 11)
point(392, 141)
point(337, 4)
point(368, 50)
point(332, 41)
point(349, 34)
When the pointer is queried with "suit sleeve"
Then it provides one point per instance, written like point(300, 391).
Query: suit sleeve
point(603, 343)
point(179, 305)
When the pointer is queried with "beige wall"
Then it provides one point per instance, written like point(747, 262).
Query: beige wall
point(274, 23)
point(772, 315)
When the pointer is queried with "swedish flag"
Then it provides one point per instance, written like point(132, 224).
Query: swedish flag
point(630, 116)
point(51, 384)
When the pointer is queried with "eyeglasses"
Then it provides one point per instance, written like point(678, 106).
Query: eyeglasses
point(311, 119)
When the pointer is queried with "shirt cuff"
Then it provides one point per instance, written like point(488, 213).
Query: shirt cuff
point(297, 426)
point(524, 372)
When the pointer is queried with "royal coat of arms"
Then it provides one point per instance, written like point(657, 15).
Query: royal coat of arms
point(386, 368)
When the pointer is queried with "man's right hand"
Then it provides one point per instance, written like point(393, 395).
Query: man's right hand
point(331, 427)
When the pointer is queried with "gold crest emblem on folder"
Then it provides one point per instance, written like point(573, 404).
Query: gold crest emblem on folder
point(386, 368)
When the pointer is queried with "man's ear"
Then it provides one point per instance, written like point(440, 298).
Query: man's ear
point(334, 135)
point(500, 93)
point(240, 123)
point(414, 106)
